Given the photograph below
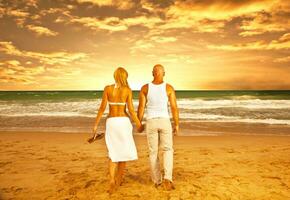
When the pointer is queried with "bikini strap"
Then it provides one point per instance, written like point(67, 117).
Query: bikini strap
point(117, 103)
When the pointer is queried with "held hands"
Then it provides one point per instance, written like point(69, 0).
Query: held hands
point(140, 128)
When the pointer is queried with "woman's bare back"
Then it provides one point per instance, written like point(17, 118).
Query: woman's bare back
point(117, 95)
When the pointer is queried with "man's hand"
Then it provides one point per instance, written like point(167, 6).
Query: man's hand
point(176, 130)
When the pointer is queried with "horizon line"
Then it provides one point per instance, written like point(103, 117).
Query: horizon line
point(139, 90)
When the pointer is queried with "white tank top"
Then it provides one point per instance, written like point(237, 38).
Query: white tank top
point(157, 101)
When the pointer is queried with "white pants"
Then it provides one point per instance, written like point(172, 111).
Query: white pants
point(159, 133)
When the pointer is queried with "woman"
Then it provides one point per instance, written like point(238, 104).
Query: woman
point(118, 134)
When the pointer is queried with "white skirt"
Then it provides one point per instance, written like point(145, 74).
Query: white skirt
point(119, 139)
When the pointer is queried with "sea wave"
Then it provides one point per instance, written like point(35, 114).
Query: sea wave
point(235, 110)
point(189, 117)
point(248, 103)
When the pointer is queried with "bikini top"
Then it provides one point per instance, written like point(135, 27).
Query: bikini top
point(117, 103)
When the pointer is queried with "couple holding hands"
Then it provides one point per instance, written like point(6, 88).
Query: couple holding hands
point(118, 134)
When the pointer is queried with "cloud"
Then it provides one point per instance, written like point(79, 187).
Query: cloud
point(113, 24)
point(52, 58)
point(212, 16)
point(9, 48)
point(217, 10)
point(32, 3)
point(141, 45)
point(20, 16)
point(122, 5)
point(13, 71)
point(282, 59)
point(260, 23)
point(202, 26)
point(161, 39)
point(41, 31)
point(17, 13)
point(2, 11)
point(247, 83)
point(10, 79)
point(23, 16)
point(110, 23)
point(149, 22)
point(282, 43)
point(209, 36)
point(176, 58)
point(59, 11)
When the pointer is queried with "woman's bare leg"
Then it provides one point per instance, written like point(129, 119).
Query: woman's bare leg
point(112, 172)
point(120, 173)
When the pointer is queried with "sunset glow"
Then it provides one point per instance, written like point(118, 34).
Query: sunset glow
point(77, 44)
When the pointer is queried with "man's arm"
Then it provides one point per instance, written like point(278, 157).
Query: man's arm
point(142, 101)
point(174, 108)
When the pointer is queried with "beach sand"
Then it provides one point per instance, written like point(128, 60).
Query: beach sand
point(64, 166)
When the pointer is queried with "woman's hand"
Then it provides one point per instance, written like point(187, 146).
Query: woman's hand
point(95, 129)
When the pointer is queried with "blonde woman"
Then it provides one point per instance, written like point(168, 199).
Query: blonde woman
point(118, 134)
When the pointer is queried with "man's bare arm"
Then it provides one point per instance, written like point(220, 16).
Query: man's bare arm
point(142, 102)
point(174, 108)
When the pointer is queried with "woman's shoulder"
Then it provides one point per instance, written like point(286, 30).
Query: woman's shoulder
point(124, 89)
point(108, 86)
point(127, 89)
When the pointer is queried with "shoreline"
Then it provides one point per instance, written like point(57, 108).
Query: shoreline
point(144, 134)
point(84, 125)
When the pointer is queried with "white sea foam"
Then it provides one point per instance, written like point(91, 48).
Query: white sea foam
point(257, 111)
point(248, 103)
point(189, 117)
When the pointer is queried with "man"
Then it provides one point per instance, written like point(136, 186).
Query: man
point(155, 97)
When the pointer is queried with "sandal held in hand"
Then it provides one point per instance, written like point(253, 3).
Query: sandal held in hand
point(97, 137)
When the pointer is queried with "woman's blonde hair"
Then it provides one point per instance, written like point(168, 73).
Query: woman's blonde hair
point(120, 76)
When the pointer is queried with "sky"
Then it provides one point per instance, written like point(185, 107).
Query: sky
point(203, 44)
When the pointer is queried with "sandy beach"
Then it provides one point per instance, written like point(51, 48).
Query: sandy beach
point(64, 166)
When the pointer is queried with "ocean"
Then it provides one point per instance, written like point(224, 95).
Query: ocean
point(76, 110)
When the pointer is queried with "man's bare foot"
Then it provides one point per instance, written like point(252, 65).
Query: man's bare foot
point(112, 187)
point(157, 185)
point(168, 185)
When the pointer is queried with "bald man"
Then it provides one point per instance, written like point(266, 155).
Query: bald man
point(155, 96)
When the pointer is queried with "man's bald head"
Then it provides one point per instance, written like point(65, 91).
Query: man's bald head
point(158, 71)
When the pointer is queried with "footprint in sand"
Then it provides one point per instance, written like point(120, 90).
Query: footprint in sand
point(264, 150)
point(3, 164)
point(214, 165)
point(74, 190)
point(90, 183)
point(16, 189)
point(53, 171)
point(7, 145)
point(205, 152)
point(230, 150)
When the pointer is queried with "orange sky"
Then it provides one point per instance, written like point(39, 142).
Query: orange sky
point(77, 44)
